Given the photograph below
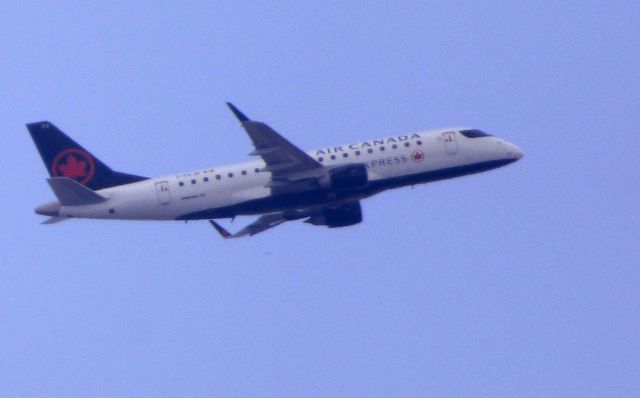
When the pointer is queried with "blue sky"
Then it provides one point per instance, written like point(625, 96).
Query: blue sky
point(517, 282)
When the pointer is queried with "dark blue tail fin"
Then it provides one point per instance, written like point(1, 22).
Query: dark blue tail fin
point(64, 157)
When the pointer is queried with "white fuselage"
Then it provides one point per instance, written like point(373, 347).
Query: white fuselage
point(391, 162)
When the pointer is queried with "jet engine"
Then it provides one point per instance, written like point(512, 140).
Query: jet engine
point(343, 216)
point(345, 177)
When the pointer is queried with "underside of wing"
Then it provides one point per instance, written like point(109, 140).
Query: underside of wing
point(341, 215)
point(261, 224)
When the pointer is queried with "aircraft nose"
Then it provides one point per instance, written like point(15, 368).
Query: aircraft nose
point(513, 151)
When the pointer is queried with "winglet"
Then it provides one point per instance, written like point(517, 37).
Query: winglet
point(223, 232)
point(241, 116)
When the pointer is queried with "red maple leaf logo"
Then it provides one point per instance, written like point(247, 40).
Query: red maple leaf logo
point(417, 156)
point(73, 168)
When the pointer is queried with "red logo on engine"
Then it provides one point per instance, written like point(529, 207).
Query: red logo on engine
point(417, 156)
point(75, 164)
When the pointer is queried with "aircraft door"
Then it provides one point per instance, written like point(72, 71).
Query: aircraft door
point(164, 195)
point(450, 142)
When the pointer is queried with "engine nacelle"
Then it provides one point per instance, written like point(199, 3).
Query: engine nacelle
point(350, 176)
point(342, 216)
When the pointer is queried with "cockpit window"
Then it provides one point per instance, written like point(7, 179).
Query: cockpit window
point(474, 133)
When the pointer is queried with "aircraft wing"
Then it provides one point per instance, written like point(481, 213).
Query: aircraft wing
point(351, 210)
point(280, 155)
point(261, 224)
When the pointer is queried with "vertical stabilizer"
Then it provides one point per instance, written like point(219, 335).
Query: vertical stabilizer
point(64, 157)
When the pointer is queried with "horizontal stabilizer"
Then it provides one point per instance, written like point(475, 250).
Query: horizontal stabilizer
point(71, 193)
point(54, 220)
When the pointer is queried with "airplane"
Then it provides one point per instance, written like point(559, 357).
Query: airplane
point(324, 186)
